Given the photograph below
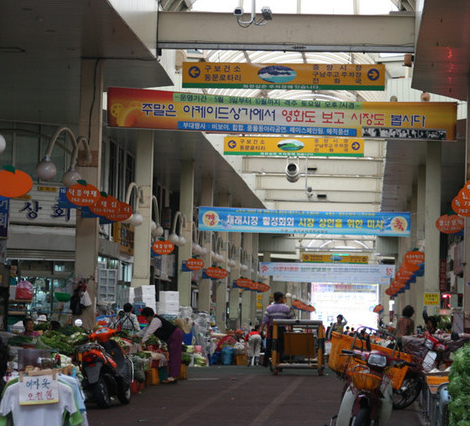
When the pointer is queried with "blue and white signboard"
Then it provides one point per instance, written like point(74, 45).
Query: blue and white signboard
point(4, 215)
point(329, 273)
point(226, 219)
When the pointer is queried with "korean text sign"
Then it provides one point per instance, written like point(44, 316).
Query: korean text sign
point(156, 109)
point(298, 147)
point(35, 390)
point(286, 76)
point(329, 273)
point(226, 219)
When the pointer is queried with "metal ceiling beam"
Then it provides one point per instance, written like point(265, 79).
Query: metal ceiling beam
point(288, 32)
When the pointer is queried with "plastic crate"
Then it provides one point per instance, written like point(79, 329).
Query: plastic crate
point(338, 362)
point(183, 372)
point(241, 360)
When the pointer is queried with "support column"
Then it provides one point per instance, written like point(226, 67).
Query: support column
point(234, 293)
point(254, 275)
point(142, 233)
point(246, 294)
point(420, 238)
point(221, 285)
point(466, 269)
point(87, 230)
point(186, 209)
point(268, 280)
point(433, 211)
point(207, 199)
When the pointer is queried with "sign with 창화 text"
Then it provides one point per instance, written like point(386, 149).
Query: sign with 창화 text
point(160, 109)
point(294, 147)
point(227, 219)
point(284, 76)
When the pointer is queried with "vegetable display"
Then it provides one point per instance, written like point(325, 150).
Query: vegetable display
point(459, 388)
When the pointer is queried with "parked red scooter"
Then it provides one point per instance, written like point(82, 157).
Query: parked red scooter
point(428, 353)
point(106, 369)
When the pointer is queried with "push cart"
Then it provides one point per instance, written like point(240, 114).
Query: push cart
point(304, 345)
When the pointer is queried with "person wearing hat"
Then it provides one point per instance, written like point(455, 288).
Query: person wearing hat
point(42, 319)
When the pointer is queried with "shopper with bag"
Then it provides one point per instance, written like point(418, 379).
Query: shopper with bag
point(253, 341)
point(126, 320)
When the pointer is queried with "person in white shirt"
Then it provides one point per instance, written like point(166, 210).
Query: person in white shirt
point(126, 320)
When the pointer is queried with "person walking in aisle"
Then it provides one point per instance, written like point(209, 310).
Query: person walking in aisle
point(338, 326)
point(168, 333)
point(405, 325)
point(253, 342)
point(277, 310)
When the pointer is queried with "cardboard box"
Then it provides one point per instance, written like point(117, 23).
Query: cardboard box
point(241, 360)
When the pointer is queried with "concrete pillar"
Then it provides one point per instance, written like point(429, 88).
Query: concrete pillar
point(432, 213)
point(420, 237)
point(221, 285)
point(186, 209)
point(142, 233)
point(246, 295)
point(413, 243)
point(268, 280)
point(234, 292)
point(207, 199)
point(466, 269)
point(87, 230)
point(254, 275)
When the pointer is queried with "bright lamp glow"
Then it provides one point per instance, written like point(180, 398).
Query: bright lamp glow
point(3, 144)
point(46, 169)
point(70, 178)
point(196, 248)
point(203, 250)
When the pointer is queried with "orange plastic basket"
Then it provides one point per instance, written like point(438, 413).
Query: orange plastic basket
point(338, 362)
point(363, 379)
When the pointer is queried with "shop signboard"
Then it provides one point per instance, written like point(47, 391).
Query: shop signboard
point(163, 247)
point(328, 273)
point(4, 214)
point(290, 147)
point(227, 219)
point(160, 109)
point(38, 390)
point(43, 205)
point(266, 76)
point(336, 258)
point(431, 299)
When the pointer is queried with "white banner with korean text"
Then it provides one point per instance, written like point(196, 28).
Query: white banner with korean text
point(328, 273)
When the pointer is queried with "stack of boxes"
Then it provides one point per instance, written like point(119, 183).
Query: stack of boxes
point(145, 294)
point(169, 303)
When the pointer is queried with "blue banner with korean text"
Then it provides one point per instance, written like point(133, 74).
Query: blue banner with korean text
point(4, 216)
point(226, 219)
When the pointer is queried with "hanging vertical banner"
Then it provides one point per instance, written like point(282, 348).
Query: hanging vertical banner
point(160, 109)
point(285, 77)
point(227, 219)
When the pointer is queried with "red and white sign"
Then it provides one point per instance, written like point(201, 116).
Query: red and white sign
point(195, 264)
point(163, 247)
point(83, 194)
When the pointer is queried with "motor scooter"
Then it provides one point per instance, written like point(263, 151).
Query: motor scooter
point(368, 398)
point(428, 352)
point(106, 369)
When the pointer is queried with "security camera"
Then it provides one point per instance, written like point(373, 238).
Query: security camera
point(238, 11)
point(292, 172)
point(267, 14)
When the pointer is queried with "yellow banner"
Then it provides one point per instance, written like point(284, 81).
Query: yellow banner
point(286, 76)
point(333, 258)
point(299, 147)
point(159, 109)
point(432, 299)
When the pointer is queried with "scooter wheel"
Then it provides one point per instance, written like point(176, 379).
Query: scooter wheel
point(124, 395)
point(101, 394)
